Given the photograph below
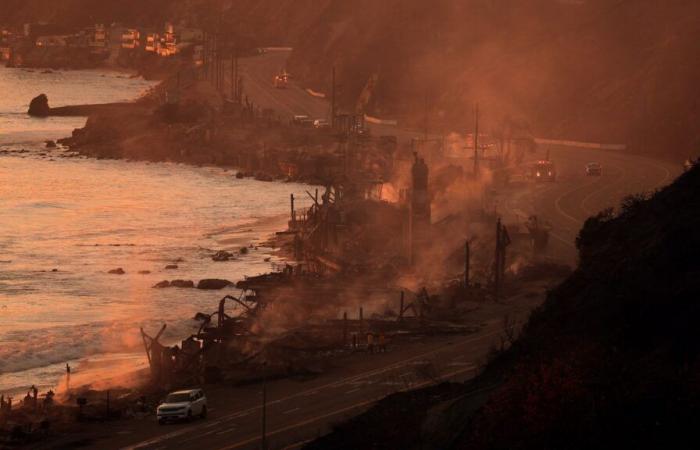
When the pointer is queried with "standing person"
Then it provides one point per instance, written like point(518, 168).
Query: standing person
point(370, 343)
point(382, 342)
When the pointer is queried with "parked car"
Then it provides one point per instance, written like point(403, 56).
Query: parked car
point(321, 124)
point(182, 405)
point(594, 169)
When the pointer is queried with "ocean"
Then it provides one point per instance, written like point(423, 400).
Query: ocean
point(65, 223)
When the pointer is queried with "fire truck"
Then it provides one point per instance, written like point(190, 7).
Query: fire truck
point(543, 170)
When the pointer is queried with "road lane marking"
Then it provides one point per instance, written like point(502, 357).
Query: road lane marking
point(291, 411)
point(338, 411)
point(351, 391)
point(213, 424)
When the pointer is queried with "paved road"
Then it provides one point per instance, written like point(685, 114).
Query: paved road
point(574, 197)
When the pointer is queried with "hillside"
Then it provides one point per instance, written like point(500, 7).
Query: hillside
point(593, 70)
point(605, 71)
point(611, 360)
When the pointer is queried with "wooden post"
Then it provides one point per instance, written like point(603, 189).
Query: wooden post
point(361, 319)
point(401, 307)
point(467, 255)
point(345, 329)
point(333, 107)
point(476, 141)
point(293, 215)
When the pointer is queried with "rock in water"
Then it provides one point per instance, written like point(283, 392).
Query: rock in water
point(39, 106)
point(171, 267)
point(201, 317)
point(117, 271)
point(182, 283)
point(222, 255)
point(213, 283)
point(162, 284)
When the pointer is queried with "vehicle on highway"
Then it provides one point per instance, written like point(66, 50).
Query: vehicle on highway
point(182, 405)
point(321, 124)
point(688, 164)
point(544, 170)
point(280, 81)
point(594, 169)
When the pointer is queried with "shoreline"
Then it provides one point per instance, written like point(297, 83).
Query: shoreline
point(258, 232)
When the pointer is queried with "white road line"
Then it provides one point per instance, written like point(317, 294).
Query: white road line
point(291, 411)
point(353, 390)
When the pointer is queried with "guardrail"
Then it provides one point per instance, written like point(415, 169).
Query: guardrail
point(278, 49)
point(581, 144)
point(377, 121)
point(313, 93)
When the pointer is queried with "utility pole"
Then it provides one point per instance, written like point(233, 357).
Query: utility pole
point(502, 242)
point(476, 141)
point(263, 437)
point(333, 111)
point(497, 264)
point(467, 256)
point(425, 131)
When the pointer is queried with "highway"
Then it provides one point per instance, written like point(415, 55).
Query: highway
point(298, 410)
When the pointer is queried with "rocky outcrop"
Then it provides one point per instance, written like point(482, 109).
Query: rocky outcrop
point(39, 106)
point(117, 271)
point(222, 255)
point(213, 284)
point(187, 284)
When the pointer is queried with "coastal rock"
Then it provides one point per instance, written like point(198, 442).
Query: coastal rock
point(222, 255)
point(182, 283)
point(117, 271)
point(171, 267)
point(213, 284)
point(39, 106)
point(50, 144)
point(144, 272)
point(162, 284)
point(201, 317)
point(244, 250)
